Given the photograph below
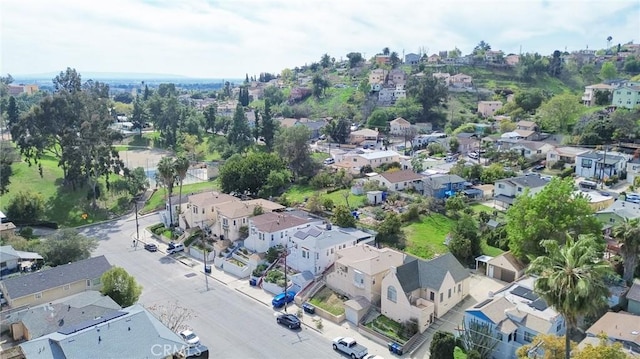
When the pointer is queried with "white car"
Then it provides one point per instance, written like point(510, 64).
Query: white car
point(190, 337)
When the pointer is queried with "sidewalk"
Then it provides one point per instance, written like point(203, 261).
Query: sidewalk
point(329, 329)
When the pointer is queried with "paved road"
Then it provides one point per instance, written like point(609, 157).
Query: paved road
point(230, 324)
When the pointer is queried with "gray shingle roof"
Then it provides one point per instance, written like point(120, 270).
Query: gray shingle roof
point(92, 268)
point(528, 181)
point(634, 292)
point(417, 273)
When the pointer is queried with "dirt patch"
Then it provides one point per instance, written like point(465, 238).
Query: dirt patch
point(145, 158)
point(329, 301)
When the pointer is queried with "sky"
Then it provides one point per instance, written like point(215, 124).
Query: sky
point(230, 38)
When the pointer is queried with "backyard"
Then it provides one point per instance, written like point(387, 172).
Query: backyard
point(297, 194)
point(329, 301)
point(390, 329)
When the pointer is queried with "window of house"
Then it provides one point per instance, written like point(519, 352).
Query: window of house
point(441, 297)
point(587, 163)
point(88, 283)
point(432, 296)
point(528, 337)
point(459, 287)
point(510, 337)
point(203, 211)
point(519, 189)
point(331, 250)
point(500, 185)
point(38, 295)
point(281, 235)
point(391, 294)
point(244, 221)
point(272, 236)
point(317, 255)
point(225, 222)
point(234, 222)
point(194, 209)
point(449, 293)
point(358, 279)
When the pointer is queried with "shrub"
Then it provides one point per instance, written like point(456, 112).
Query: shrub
point(567, 172)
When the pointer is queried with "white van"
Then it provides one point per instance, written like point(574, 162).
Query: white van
point(329, 161)
point(175, 248)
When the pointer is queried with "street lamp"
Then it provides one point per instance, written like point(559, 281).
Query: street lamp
point(135, 245)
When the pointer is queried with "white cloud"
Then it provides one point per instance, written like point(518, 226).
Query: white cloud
point(230, 38)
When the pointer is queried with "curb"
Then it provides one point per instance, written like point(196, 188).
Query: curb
point(250, 296)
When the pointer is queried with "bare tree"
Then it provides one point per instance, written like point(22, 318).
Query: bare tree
point(172, 315)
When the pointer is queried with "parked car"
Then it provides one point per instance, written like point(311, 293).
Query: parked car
point(350, 347)
point(538, 168)
point(329, 161)
point(283, 298)
point(175, 248)
point(151, 247)
point(288, 320)
point(190, 337)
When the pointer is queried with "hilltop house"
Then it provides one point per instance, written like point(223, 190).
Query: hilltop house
point(461, 81)
point(359, 271)
point(378, 76)
point(633, 169)
point(532, 150)
point(58, 282)
point(398, 77)
point(507, 189)
point(399, 126)
point(364, 135)
point(411, 59)
point(442, 76)
point(373, 159)
point(397, 180)
point(423, 290)
point(589, 95)
point(626, 96)
point(514, 315)
point(132, 332)
point(527, 130)
point(314, 248)
point(566, 155)
point(597, 164)
point(271, 229)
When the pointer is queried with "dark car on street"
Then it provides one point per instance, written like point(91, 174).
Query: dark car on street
point(151, 247)
point(289, 320)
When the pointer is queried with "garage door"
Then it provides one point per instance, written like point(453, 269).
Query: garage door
point(508, 275)
point(351, 315)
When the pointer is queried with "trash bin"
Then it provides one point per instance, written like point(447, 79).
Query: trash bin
point(207, 269)
point(252, 282)
point(308, 308)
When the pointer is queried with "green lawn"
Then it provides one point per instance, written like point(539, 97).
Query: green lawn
point(62, 204)
point(297, 193)
point(491, 251)
point(425, 239)
point(158, 198)
point(478, 207)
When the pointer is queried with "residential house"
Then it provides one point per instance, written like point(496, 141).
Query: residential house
point(232, 216)
point(600, 165)
point(633, 169)
point(7, 229)
point(399, 126)
point(617, 212)
point(442, 186)
point(527, 130)
point(314, 248)
point(397, 180)
point(493, 56)
point(423, 290)
point(467, 142)
point(442, 76)
point(514, 315)
point(315, 127)
point(12, 260)
point(512, 59)
point(383, 59)
point(507, 189)
point(58, 282)
point(373, 159)
point(597, 201)
point(626, 96)
point(359, 271)
point(366, 134)
point(32, 323)
point(274, 228)
point(532, 150)
point(566, 155)
point(618, 327)
point(386, 96)
point(488, 108)
point(15, 90)
point(132, 332)
point(433, 59)
point(378, 76)
point(505, 267)
point(633, 298)
point(461, 81)
point(173, 209)
point(199, 209)
point(589, 95)
point(411, 59)
point(398, 77)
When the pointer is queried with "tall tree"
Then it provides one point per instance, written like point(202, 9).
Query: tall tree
point(325, 61)
point(355, 58)
point(390, 231)
point(139, 115)
point(560, 112)
point(65, 246)
point(291, 145)
point(627, 232)
point(120, 286)
point(269, 126)
point(239, 134)
point(13, 113)
point(251, 173)
point(608, 71)
point(342, 217)
point(442, 345)
point(431, 93)
point(26, 206)
point(181, 165)
point(337, 130)
point(548, 215)
point(166, 176)
point(320, 84)
point(571, 278)
point(210, 118)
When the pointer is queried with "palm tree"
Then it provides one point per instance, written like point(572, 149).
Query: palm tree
point(627, 233)
point(167, 176)
point(571, 279)
point(181, 166)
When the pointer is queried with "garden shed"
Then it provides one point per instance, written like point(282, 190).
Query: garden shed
point(355, 309)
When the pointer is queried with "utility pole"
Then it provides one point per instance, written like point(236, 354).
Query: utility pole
point(604, 163)
point(204, 244)
point(286, 251)
point(135, 245)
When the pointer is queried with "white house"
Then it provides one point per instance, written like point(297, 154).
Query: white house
point(314, 248)
point(514, 315)
point(567, 155)
point(271, 229)
point(532, 149)
point(600, 165)
point(506, 190)
point(373, 159)
point(399, 126)
point(397, 180)
point(633, 170)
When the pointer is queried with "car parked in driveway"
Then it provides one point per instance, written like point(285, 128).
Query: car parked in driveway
point(190, 337)
point(151, 247)
point(283, 298)
point(288, 320)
